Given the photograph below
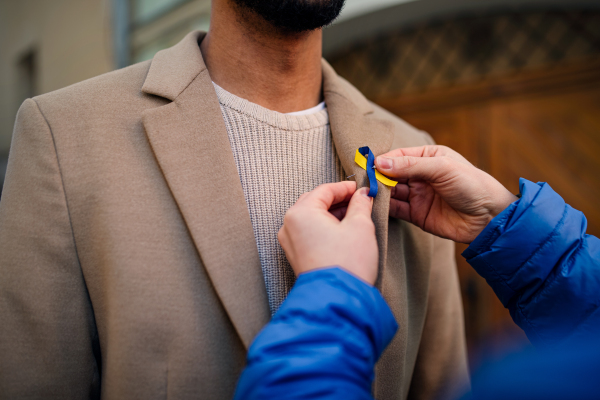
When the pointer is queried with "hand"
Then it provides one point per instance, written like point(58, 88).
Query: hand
point(441, 192)
point(313, 237)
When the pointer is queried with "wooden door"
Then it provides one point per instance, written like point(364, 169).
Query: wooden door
point(542, 126)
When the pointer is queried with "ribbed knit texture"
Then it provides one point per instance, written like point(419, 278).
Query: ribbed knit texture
point(279, 157)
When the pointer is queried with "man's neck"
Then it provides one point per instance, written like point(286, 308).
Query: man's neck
point(278, 71)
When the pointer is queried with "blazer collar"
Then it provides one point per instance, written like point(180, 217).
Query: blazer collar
point(354, 124)
point(190, 142)
point(173, 69)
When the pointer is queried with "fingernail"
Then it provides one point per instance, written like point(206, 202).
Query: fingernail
point(384, 163)
point(364, 192)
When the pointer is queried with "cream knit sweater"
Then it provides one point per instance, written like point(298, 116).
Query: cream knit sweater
point(279, 157)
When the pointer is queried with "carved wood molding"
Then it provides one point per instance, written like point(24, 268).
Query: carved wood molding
point(523, 83)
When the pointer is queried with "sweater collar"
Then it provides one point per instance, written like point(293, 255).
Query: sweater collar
point(275, 119)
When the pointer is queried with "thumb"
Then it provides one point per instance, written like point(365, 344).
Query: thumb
point(408, 167)
point(327, 195)
point(360, 204)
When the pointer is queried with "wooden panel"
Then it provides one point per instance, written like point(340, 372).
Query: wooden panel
point(488, 324)
point(554, 139)
point(541, 81)
point(548, 131)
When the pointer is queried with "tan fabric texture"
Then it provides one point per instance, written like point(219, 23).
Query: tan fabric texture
point(278, 157)
point(128, 261)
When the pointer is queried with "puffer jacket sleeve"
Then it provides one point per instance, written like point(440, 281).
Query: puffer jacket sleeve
point(542, 265)
point(322, 343)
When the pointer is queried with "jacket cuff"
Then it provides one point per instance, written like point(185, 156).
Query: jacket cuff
point(502, 250)
point(484, 241)
point(333, 292)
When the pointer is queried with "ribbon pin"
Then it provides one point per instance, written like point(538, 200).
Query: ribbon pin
point(366, 160)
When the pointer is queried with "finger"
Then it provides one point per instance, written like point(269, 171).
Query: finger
point(406, 151)
point(421, 151)
point(339, 212)
point(408, 167)
point(401, 192)
point(302, 197)
point(400, 209)
point(427, 151)
point(360, 204)
point(343, 204)
point(282, 238)
point(324, 196)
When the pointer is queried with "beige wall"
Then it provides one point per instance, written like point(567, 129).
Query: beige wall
point(73, 40)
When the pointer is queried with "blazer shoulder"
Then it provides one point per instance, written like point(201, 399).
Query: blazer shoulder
point(116, 87)
point(405, 135)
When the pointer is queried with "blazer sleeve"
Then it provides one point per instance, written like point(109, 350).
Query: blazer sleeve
point(322, 343)
point(542, 265)
point(47, 329)
point(441, 370)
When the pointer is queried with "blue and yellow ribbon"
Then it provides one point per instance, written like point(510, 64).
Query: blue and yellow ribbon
point(364, 158)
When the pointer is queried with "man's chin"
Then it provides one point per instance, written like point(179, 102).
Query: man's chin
point(295, 16)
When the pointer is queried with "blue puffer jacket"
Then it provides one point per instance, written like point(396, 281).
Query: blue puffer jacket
point(325, 339)
point(322, 343)
point(542, 266)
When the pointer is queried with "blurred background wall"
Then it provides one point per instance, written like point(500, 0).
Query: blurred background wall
point(46, 45)
point(514, 85)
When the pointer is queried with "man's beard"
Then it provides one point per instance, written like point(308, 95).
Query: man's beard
point(295, 15)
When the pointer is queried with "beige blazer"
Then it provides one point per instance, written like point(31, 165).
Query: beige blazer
point(128, 265)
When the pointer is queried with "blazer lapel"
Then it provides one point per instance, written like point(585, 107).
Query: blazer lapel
point(190, 142)
point(353, 125)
